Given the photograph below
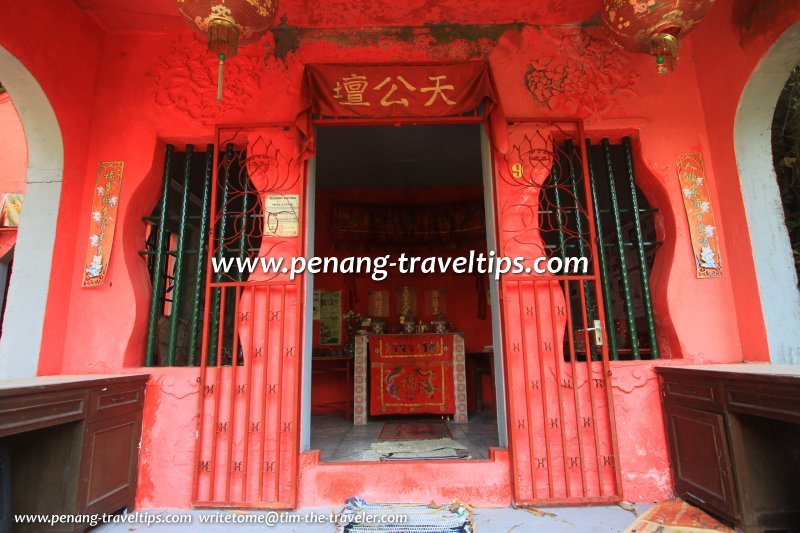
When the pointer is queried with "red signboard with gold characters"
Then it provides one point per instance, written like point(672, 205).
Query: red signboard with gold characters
point(410, 90)
point(398, 90)
point(411, 374)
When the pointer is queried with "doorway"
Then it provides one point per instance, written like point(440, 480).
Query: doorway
point(430, 336)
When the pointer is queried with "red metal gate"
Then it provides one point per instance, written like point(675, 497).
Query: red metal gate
point(248, 435)
point(561, 423)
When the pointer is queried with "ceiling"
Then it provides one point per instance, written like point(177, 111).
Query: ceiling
point(161, 16)
point(389, 157)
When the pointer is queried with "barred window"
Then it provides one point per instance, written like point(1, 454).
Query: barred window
point(176, 249)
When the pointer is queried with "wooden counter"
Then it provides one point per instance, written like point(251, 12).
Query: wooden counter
point(733, 433)
point(69, 445)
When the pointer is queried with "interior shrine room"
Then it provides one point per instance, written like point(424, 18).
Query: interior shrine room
point(427, 383)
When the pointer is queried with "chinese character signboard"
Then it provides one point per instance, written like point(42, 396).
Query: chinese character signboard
point(416, 90)
point(435, 302)
point(378, 304)
point(407, 302)
point(702, 228)
point(104, 219)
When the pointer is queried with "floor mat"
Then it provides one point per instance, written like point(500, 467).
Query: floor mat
point(676, 516)
point(414, 431)
point(406, 450)
point(358, 516)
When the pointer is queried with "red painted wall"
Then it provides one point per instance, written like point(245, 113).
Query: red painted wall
point(14, 156)
point(122, 96)
point(61, 47)
point(728, 47)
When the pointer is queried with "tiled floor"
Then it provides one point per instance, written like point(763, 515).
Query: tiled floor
point(339, 440)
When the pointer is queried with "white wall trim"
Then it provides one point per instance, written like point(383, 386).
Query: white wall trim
point(772, 253)
point(308, 315)
point(30, 278)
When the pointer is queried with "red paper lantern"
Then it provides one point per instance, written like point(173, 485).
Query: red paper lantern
point(653, 26)
point(229, 23)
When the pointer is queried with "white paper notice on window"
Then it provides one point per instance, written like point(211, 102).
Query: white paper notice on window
point(281, 215)
point(316, 305)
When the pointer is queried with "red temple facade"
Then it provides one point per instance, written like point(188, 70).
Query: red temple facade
point(96, 84)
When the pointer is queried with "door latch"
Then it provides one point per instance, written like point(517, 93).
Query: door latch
point(598, 332)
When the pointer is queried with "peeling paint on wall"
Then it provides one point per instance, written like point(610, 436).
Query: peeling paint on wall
point(480, 37)
point(753, 19)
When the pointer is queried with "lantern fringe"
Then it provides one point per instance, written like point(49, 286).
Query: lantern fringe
point(666, 48)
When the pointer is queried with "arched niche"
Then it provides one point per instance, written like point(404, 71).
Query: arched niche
point(772, 253)
point(30, 279)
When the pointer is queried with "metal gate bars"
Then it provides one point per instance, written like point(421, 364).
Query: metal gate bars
point(561, 420)
point(247, 437)
point(561, 423)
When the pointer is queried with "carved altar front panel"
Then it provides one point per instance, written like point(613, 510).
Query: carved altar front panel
point(410, 374)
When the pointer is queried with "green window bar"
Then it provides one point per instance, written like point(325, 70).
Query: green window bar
point(627, 243)
point(177, 284)
point(619, 241)
point(221, 239)
point(581, 227)
point(157, 296)
point(641, 255)
point(202, 243)
point(175, 252)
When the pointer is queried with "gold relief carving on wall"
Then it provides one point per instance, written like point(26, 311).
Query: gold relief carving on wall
point(186, 81)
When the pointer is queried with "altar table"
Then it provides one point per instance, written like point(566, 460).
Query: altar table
point(410, 374)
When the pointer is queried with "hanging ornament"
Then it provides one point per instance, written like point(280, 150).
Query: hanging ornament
point(653, 26)
point(227, 24)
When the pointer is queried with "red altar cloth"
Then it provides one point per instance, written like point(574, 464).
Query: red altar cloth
point(411, 374)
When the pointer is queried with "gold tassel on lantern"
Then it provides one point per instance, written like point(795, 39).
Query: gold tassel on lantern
point(653, 27)
point(228, 23)
point(223, 41)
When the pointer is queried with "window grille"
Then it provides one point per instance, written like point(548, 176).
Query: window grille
point(627, 243)
point(625, 235)
point(177, 240)
point(176, 252)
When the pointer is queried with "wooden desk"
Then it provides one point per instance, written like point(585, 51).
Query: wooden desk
point(734, 440)
point(480, 364)
point(69, 446)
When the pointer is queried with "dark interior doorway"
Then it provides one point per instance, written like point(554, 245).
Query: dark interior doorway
point(383, 191)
